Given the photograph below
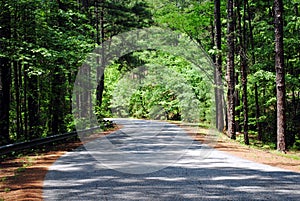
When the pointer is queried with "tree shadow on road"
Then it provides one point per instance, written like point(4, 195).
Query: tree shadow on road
point(78, 176)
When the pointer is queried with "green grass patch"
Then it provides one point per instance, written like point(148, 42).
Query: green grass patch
point(3, 179)
point(7, 190)
point(295, 156)
point(20, 169)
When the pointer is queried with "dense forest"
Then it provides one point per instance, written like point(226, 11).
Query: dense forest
point(254, 46)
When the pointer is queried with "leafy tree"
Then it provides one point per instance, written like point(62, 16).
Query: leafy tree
point(47, 46)
point(117, 17)
point(43, 43)
point(162, 88)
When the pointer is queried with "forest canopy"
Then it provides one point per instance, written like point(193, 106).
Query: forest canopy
point(44, 44)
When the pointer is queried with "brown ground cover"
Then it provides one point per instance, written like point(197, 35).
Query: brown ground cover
point(22, 178)
point(289, 160)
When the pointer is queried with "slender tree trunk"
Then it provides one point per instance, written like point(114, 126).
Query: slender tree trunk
point(237, 104)
point(25, 106)
point(17, 80)
point(17, 94)
point(58, 101)
point(215, 71)
point(5, 75)
point(100, 70)
point(244, 67)
point(25, 70)
point(280, 75)
point(22, 106)
point(257, 108)
point(218, 66)
point(230, 71)
point(33, 107)
point(245, 102)
point(244, 77)
point(257, 113)
point(58, 88)
point(33, 92)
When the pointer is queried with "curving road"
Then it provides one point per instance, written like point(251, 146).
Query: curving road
point(148, 160)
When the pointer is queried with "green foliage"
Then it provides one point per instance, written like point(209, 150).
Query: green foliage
point(50, 41)
point(7, 190)
point(195, 19)
point(296, 145)
point(162, 88)
point(190, 17)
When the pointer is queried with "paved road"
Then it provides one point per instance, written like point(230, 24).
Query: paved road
point(161, 162)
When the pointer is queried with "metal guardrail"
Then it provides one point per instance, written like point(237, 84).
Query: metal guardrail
point(40, 141)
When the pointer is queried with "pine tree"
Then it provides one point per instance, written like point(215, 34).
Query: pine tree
point(280, 75)
point(230, 70)
point(218, 66)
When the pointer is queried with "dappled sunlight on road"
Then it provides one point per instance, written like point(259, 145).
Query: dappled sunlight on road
point(79, 175)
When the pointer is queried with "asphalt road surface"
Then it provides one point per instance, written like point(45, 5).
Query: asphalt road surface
point(148, 160)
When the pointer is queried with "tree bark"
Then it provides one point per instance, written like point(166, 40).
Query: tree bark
point(257, 108)
point(280, 75)
point(244, 67)
point(58, 89)
point(230, 71)
point(17, 97)
point(100, 40)
point(237, 103)
point(218, 66)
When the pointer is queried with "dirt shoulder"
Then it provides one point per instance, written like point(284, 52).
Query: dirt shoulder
point(22, 178)
point(289, 161)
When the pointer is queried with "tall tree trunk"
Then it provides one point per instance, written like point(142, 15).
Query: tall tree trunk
point(257, 113)
point(33, 92)
point(218, 66)
point(257, 108)
point(237, 104)
point(5, 75)
point(244, 69)
point(25, 107)
point(280, 75)
point(17, 77)
point(215, 70)
point(100, 36)
point(22, 106)
point(17, 96)
point(57, 102)
point(230, 70)
point(237, 101)
point(58, 87)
